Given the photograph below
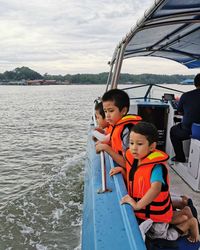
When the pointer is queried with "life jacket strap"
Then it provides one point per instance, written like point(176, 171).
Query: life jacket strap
point(148, 212)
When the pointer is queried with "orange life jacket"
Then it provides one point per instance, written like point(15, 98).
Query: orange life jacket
point(117, 131)
point(138, 183)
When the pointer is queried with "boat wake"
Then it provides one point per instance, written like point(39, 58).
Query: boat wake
point(49, 216)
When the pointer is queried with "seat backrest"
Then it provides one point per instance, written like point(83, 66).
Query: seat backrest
point(196, 131)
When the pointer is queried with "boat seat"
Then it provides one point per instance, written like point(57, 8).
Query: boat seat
point(196, 131)
point(195, 135)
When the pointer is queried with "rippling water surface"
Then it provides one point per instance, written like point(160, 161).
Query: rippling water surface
point(43, 133)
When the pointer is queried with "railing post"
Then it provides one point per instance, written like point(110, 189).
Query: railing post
point(103, 188)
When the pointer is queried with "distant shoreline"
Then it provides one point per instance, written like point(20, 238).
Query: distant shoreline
point(67, 84)
point(26, 76)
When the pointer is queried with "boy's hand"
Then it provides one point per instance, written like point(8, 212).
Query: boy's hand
point(100, 147)
point(115, 170)
point(94, 139)
point(128, 199)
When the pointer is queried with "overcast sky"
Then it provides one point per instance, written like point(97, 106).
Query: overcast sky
point(70, 36)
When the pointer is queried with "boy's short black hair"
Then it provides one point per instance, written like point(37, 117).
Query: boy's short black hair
point(119, 97)
point(99, 108)
point(197, 80)
point(148, 130)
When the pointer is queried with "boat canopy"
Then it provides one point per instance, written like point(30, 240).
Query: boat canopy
point(170, 29)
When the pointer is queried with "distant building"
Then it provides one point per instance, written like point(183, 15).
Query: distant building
point(34, 82)
point(46, 82)
point(49, 82)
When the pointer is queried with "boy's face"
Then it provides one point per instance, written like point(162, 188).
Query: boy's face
point(112, 112)
point(102, 123)
point(139, 145)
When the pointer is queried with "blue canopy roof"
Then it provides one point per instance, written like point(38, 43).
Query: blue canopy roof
point(170, 29)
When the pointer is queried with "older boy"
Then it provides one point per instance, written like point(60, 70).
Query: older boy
point(116, 106)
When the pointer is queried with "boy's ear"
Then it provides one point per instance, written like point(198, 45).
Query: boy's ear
point(124, 111)
point(153, 146)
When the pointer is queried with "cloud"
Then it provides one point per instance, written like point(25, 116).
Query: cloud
point(65, 36)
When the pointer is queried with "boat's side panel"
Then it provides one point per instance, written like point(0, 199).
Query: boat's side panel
point(88, 236)
point(106, 223)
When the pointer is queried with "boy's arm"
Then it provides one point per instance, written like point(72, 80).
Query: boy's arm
point(150, 195)
point(119, 159)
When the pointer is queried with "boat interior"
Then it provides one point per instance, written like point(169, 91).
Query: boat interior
point(158, 105)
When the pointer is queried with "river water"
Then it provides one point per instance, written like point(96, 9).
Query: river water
point(43, 135)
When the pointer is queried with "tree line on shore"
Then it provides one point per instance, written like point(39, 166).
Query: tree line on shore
point(25, 73)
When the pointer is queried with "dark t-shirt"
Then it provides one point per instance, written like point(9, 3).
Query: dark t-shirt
point(189, 106)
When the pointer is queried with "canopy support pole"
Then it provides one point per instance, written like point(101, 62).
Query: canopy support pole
point(109, 75)
point(118, 65)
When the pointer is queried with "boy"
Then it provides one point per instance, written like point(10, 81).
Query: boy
point(148, 186)
point(102, 132)
point(116, 106)
point(100, 116)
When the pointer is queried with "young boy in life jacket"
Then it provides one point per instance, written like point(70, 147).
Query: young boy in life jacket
point(103, 129)
point(116, 106)
point(100, 116)
point(148, 186)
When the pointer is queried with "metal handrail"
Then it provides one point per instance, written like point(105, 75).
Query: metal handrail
point(102, 160)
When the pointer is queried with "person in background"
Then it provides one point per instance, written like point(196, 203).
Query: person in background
point(188, 106)
point(148, 186)
point(116, 106)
